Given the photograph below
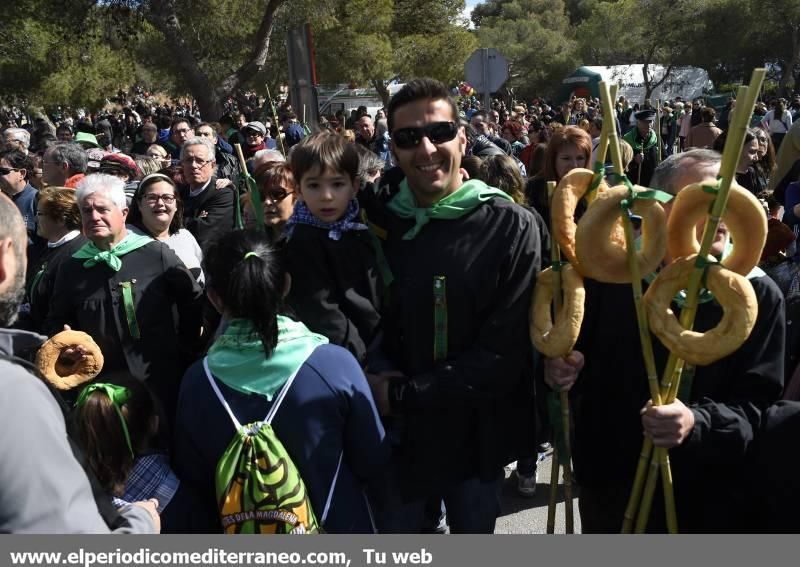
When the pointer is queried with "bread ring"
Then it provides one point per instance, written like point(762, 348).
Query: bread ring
point(732, 291)
point(569, 191)
point(600, 249)
point(64, 376)
point(743, 216)
point(557, 339)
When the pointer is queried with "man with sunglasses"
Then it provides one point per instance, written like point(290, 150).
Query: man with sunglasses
point(453, 373)
point(15, 167)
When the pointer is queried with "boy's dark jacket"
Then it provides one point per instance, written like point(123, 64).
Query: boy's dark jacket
point(336, 288)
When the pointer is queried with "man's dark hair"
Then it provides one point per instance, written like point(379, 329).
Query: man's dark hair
point(708, 114)
point(598, 122)
point(84, 126)
point(70, 153)
point(420, 89)
point(18, 160)
point(180, 120)
point(481, 113)
point(64, 127)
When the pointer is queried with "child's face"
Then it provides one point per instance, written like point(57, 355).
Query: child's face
point(327, 193)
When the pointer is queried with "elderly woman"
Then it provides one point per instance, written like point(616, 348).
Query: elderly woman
point(130, 292)
point(157, 211)
point(59, 223)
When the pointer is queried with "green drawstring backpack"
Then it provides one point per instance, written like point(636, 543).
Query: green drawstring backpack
point(259, 489)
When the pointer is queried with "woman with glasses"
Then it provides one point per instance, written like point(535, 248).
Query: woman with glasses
point(278, 196)
point(157, 211)
point(59, 223)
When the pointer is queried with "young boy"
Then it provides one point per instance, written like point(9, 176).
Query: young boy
point(336, 286)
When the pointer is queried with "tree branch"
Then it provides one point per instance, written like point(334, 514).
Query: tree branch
point(259, 55)
point(162, 14)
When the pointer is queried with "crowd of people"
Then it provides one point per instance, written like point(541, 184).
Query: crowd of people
point(371, 299)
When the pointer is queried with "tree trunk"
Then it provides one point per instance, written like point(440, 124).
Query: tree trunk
point(162, 14)
point(787, 72)
point(383, 91)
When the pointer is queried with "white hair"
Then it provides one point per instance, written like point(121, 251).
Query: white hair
point(112, 186)
point(212, 154)
point(21, 135)
point(268, 155)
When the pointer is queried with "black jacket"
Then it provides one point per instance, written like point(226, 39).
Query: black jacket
point(336, 288)
point(471, 413)
point(40, 279)
point(728, 399)
point(167, 305)
point(209, 214)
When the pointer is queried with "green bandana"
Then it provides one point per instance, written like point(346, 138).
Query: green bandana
point(457, 204)
point(237, 357)
point(93, 255)
point(636, 141)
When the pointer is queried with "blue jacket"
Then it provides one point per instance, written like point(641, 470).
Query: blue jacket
point(327, 422)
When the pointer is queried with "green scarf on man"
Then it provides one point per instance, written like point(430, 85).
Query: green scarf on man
point(463, 200)
point(93, 255)
point(638, 143)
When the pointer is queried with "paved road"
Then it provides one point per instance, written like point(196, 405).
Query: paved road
point(529, 515)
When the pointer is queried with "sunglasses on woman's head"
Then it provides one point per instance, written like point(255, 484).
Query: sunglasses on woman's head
point(436, 132)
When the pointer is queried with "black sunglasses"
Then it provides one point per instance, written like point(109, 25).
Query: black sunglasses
point(436, 132)
point(7, 170)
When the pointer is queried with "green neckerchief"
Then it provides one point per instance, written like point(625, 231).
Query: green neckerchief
point(637, 143)
point(463, 200)
point(237, 357)
point(93, 255)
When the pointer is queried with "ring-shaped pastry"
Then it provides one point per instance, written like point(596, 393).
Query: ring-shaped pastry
point(733, 292)
point(569, 191)
point(556, 339)
point(743, 216)
point(66, 376)
point(600, 244)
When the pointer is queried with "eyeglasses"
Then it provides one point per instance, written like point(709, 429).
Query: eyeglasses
point(7, 170)
point(152, 199)
point(277, 195)
point(196, 161)
point(253, 133)
point(436, 132)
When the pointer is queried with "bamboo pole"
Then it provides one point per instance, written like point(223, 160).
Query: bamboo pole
point(275, 117)
point(555, 254)
point(641, 316)
point(252, 189)
point(730, 159)
point(658, 130)
point(552, 502)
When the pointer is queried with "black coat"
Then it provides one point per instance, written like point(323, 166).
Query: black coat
point(209, 214)
point(167, 303)
point(467, 415)
point(40, 280)
point(728, 399)
point(336, 288)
